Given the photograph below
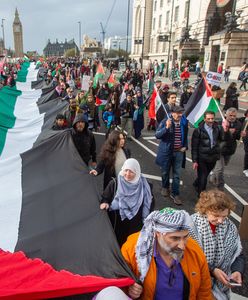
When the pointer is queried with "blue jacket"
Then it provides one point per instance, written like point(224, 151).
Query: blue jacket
point(167, 136)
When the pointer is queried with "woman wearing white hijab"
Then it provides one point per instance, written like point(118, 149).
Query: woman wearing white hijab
point(129, 200)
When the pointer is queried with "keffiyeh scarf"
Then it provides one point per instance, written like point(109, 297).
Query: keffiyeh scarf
point(167, 220)
point(221, 249)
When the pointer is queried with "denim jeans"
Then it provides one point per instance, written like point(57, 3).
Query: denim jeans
point(174, 163)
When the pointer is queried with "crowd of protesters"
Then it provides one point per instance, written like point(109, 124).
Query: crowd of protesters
point(174, 255)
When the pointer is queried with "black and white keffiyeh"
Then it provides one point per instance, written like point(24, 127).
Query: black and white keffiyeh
point(164, 221)
point(221, 249)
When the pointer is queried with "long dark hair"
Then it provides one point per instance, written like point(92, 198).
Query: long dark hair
point(109, 149)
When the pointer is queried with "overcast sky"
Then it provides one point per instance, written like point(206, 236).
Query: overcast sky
point(44, 19)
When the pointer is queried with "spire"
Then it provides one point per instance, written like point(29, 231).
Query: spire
point(17, 20)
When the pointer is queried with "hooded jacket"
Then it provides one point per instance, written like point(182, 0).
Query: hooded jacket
point(84, 141)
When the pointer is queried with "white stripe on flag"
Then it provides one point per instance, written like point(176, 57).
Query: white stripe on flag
point(199, 109)
point(19, 139)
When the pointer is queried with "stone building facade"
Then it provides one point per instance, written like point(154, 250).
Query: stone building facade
point(170, 30)
point(18, 35)
point(59, 48)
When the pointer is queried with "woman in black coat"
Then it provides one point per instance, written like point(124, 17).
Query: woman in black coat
point(129, 200)
point(112, 157)
point(232, 97)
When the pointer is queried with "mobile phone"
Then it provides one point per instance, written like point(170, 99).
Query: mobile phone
point(234, 283)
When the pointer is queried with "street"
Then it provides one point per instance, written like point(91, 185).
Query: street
point(144, 150)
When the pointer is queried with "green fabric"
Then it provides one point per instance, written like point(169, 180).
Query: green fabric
point(22, 74)
point(211, 107)
point(96, 79)
point(8, 97)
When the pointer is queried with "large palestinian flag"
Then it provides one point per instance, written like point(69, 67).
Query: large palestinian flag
point(54, 239)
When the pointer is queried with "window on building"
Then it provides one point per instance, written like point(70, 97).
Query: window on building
point(176, 14)
point(155, 5)
point(167, 17)
point(186, 9)
point(168, 1)
point(154, 23)
point(161, 3)
point(160, 21)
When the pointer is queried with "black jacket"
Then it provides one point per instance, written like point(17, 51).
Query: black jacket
point(127, 109)
point(109, 172)
point(228, 147)
point(201, 144)
point(84, 141)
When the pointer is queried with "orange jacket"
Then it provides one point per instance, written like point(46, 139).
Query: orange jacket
point(194, 265)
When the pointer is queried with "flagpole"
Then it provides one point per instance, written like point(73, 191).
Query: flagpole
point(162, 103)
point(221, 113)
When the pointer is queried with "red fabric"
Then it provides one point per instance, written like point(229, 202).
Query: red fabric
point(24, 278)
point(111, 79)
point(152, 106)
point(185, 75)
point(213, 227)
point(100, 69)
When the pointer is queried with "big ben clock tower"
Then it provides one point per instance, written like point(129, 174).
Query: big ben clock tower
point(18, 38)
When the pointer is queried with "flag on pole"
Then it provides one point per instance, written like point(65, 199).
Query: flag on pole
point(155, 103)
point(101, 103)
point(123, 94)
point(111, 80)
point(99, 74)
point(50, 225)
point(199, 102)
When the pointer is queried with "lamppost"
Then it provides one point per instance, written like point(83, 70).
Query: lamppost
point(128, 12)
point(170, 34)
point(79, 32)
point(143, 39)
point(3, 33)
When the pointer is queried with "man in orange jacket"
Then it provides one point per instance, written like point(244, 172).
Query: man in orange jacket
point(169, 264)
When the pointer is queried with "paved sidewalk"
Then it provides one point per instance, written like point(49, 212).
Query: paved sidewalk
point(237, 297)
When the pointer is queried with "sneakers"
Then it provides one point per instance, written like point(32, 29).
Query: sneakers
point(165, 192)
point(176, 200)
point(246, 172)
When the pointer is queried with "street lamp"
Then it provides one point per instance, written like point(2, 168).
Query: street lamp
point(128, 12)
point(170, 34)
point(79, 32)
point(3, 33)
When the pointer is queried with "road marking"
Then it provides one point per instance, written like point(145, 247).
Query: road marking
point(239, 198)
point(99, 133)
point(235, 216)
point(158, 178)
point(149, 138)
point(143, 146)
point(153, 143)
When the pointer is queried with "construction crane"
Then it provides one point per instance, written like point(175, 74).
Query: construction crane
point(103, 28)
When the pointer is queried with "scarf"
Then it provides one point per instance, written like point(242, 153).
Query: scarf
point(164, 221)
point(131, 195)
point(221, 249)
point(120, 158)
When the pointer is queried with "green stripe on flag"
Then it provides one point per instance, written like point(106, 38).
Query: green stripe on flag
point(8, 97)
point(22, 74)
point(211, 107)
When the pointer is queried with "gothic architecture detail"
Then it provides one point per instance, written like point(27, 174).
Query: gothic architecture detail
point(18, 35)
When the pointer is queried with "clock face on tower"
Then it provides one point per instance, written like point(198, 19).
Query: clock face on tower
point(17, 28)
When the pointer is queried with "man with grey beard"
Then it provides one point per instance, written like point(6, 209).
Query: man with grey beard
point(167, 262)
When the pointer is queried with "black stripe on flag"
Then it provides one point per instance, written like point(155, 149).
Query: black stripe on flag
point(195, 97)
point(61, 222)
